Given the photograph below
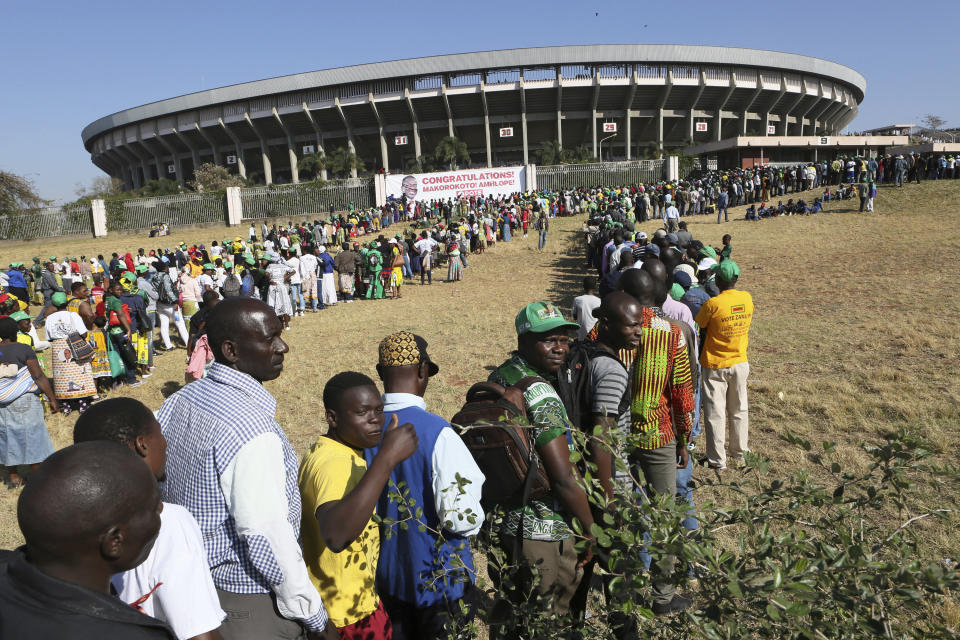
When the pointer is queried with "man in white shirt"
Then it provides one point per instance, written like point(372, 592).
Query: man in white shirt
point(173, 584)
point(308, 277)
point(205, 280)
point(296, 285)
point(231, 465)
point(584, 305)
point(425, 246)
point(671, 218)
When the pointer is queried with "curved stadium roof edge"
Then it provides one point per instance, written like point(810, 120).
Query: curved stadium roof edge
point(504, 58)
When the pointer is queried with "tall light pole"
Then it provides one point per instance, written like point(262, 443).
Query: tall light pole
point(612, 135)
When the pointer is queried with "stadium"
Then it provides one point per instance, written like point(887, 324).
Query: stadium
point(618, 101)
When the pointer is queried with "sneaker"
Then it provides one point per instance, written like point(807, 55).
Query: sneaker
point(133, 385)
point(677, 604)
point(146, 375)
point(717, 467)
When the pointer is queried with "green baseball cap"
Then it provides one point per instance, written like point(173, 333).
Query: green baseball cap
point(208, 266)
point(58, 299)
point(227, 264)
point(129, 276)
point(727, 270)
point(35, 259)
point(141, 268)
point(20, 315)
point(540, 317)
point(53, 257)
point(249, 260)
point(709, 252)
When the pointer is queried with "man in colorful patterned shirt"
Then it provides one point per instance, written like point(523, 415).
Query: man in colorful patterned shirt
point(546, 540)
point(661, 386)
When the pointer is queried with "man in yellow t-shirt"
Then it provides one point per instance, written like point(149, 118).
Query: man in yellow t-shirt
point(341, 543)
point(724, 321)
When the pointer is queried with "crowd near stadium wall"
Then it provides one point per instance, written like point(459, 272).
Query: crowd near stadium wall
point(621, 102)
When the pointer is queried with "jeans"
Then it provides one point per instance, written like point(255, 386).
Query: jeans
point(542, 242)
point(658, 468)
point(722, 209)
point(407, 270)
point(296, 297)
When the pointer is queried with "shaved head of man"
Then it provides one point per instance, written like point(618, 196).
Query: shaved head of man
point(640, 285)
point(658, 271)
point(89, 511)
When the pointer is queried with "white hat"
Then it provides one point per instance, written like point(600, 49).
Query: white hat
point(642, 235)
point(687, 269)
point(706, 263)
point(322, 248)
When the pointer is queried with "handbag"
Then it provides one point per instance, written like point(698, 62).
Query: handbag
point(81, 350)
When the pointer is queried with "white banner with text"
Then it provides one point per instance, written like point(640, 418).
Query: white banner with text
point(452, 184)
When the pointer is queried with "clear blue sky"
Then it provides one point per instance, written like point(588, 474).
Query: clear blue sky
point(65, 64)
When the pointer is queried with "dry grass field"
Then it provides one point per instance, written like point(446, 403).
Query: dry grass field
point(854, 335)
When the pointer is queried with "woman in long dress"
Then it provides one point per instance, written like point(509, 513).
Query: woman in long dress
point(455, 268)
point(278, 295)
point(23, 431)
point(72, 381)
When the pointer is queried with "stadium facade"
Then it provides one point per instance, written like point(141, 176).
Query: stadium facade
point(621, 101)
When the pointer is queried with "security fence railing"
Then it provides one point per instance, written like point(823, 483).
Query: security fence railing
point(48, 222)
point(177, 210)
point(306, 198)
point(570, 176)
point(694, 167)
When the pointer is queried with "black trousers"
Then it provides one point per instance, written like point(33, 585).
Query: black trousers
point(415, 623)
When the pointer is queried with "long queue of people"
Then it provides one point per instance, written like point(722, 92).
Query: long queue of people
point(200, 521)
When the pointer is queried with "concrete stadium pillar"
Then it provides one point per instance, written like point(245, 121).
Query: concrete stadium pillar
point(379, 189)
point(241, 165)
point(384, 155)
point(234, 207)
point(660, 130)
point(593, 130)
point(98, 210)
point(673, 168)
point(214, 147)
point(294, 161)
point(264, 151)
point(486, 132)
point(530, 173)
point(346, 125)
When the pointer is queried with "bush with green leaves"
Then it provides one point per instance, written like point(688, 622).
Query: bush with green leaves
point(817, 555)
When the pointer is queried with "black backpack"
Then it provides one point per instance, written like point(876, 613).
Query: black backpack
point(573, 384)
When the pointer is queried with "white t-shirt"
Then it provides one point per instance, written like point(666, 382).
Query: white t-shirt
point(583, 307)
point(204, 281)
point(62, 323)
point(268, 245)
point(187, 599)
point(308, 266)
point(425, 245)
point(216, 251)
point(296, 278)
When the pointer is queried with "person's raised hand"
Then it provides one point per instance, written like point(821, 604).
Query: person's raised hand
point(399, 442)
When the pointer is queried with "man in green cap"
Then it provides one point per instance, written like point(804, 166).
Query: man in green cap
point(48, 286)
point(205, 279)
point(545, 544)
point(724, 322)
point(33, 283)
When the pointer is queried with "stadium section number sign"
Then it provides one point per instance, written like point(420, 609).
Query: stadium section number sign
point(307, 149)
point(452, 184)
point(823, 140)
point(609, 127)
point(506, 132)
point(400, 140)
point(772, 130)
point(701, 126)
point(231, 159)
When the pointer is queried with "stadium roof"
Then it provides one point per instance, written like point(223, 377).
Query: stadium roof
point(505, 58)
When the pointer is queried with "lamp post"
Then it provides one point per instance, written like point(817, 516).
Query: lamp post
point(612, 135)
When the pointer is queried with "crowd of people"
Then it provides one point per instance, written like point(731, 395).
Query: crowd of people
point(220, 530)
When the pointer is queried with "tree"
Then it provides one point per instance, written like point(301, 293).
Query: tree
point(580, 155)
point(100, 187)
point(551, 152)
point(313, 164)
point(341, 161)
point(451, 152)
point(210, 177)
point(420, 164)
point(933, 122)
point(161, 187)
point(17, 194)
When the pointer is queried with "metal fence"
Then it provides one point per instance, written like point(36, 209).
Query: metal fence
point(306, 199)
point(48, 222)
point(571, 176)
point(694, 167)
point(179, 210)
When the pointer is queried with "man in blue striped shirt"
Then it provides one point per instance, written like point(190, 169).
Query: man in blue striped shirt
point(231, 465)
